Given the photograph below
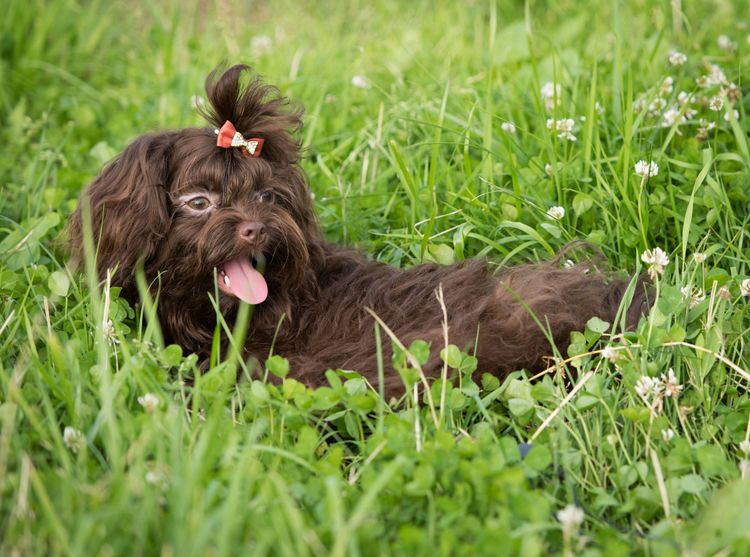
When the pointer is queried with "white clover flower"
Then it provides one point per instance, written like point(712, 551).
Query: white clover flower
point(260, 44)
point(556, 213)
point(676, 58)
point(683, 97)
point(550, 89)
point(656, 106)
point(667, 85)
point(156, 478)
point(609, 353)
point(667, 435)
point(549, 170)
point(360, 82)
point(716, 103)
point(649, 387)
point(670, 117)
point(508, 127)
point(725, 43)
point(729, 113)
point(745, 287)
point(639, 105)
point(657, 260)
point(724, 294)
point(694, 294)
point(149, 401)
point(551, 94)
point(657, 256)
point(744, 468)
point(745, 446)
point(731, 92)
point(73, 439)
point(699, 257)
point(704, 128)
point(569, 264)
point(108, 329)
point(571, 518)
point(671, 387)
point(646, 168)
point(564, 127)
point(716, 75)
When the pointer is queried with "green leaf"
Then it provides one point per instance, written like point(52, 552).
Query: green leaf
point(291, 387)
point(468, 365)
point(713, 461)
point(585, 401)
point(637, 414)
point(22, 246)
point(277, 366)
point(538, 458)
point(470, 388)
point(452, 355)
point(543, 392)
point(171, 355)
point(582, 203)
point(515, 388)
point(58, 283)
point(520, 406)
point(552, 229)
point(724, 520)
point(259, 391)
point(693, 483)
point(490, 382)
point(676, 333)
point(441, 253)
point(597, 325)
point(420, 350)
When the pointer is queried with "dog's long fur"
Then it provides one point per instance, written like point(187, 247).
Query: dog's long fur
point(321, 290)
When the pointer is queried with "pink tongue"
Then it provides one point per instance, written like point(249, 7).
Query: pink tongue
point(245, 282)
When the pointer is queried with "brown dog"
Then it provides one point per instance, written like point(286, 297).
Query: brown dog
point(195, 204)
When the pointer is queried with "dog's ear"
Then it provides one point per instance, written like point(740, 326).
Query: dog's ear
point(128, 206)
point(256, 110)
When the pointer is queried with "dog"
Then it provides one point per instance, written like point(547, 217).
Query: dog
point(199, 210)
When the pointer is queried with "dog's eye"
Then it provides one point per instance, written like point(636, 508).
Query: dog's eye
point(199, 203)
point(266, 196)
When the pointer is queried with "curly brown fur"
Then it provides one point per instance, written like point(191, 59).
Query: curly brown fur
point(321, 291)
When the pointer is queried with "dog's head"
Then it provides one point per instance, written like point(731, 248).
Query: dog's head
point(188, 210)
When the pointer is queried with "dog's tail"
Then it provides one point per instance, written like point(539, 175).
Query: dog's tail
point(543, 303)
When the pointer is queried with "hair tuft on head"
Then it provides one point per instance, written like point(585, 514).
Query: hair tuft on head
point(256, 110)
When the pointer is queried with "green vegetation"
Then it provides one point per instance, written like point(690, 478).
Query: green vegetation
point(411, 161)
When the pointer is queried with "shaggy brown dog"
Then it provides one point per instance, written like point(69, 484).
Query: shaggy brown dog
point(188, 211)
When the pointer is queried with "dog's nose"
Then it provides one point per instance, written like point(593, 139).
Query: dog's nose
point(251, 231)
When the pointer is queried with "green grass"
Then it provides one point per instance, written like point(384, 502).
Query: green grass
point(414, 168)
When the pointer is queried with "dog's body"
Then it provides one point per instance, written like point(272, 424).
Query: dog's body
point(189, 211)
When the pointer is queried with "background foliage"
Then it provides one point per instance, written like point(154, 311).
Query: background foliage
point(105, 451)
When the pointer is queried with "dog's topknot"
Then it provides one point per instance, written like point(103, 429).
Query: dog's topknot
point(256, 110)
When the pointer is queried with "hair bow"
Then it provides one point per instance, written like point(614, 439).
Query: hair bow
point(229, 137)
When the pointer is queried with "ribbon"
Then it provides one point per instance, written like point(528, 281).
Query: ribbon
point(229, 137)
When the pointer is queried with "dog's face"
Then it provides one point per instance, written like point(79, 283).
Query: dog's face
point(230, 214)
point(196, 215)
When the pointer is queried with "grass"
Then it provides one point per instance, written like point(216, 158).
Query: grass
point(414, 168)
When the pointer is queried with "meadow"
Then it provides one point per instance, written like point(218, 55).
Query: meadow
point(434, 131)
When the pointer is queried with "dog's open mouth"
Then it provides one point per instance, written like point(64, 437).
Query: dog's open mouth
point(243, 278)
